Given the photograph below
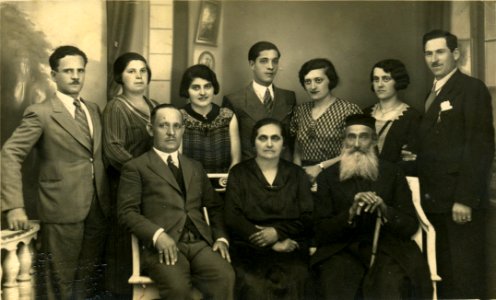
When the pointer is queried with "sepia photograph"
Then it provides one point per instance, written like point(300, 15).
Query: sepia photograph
point(243, 149)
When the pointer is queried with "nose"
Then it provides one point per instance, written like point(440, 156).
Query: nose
point(269, 143)
point(139, 75)
point(171, 131)
point(380, 83)
point(75, 75)
point(357, 142)
point(270, 65)
point(313, 85)
point(202, 91)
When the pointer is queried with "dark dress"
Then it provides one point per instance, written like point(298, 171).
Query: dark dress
point(286, 205)
point(399, 132)
point(124, 137)
point(207, 139)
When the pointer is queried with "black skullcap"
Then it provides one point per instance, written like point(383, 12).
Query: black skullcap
point(360, 119)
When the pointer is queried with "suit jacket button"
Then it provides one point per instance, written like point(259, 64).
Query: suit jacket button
point(91, 159)
point(179, 230)
point(427, 196)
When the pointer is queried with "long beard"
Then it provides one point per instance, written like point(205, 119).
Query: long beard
point(357, 163)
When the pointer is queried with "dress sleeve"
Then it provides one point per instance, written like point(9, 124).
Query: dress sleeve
point(114, 135)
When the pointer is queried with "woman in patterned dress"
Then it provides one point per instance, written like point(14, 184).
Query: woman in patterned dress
point(124, 137)
point(396, 122)
point(318, 125)
point(211, 133)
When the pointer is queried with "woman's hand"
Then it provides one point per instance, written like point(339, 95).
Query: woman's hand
point(313, 172)
point(288, 245)
point(265, 237)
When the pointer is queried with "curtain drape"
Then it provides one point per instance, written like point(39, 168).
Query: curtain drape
point(127, 31)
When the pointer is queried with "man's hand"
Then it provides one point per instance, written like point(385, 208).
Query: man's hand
point(407, 155)
point(17, 219)
point(461, 213)
point(167, 249)
point(366, 202)
point(266, 236)
point(223, 249)
point(313, 172)
point(288, 245)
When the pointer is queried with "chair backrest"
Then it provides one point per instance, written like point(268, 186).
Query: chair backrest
point(425, 226)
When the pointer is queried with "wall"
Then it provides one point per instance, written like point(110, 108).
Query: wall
point(353, 35)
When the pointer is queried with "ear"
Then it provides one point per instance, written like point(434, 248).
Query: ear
point(252, 64)
point(456, 54)
point(53, 73)
point(149, 129)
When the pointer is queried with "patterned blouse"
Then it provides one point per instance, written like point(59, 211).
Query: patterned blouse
point(320, 139)
point(124, 131)
point(207, 139)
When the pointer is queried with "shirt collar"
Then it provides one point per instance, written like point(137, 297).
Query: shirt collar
point(441, 82)
point(260, 90)
point(164, 156)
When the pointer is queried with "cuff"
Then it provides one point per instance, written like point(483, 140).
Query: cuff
point(155, 236)
point(223, 240)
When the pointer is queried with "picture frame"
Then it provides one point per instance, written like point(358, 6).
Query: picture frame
point(208, 23)
point(208, 59)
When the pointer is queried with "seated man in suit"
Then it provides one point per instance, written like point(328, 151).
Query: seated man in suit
point(160, 199)
point(351, 195)
point(261, 99)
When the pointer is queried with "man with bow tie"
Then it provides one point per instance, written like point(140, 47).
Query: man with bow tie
point(456, 149)
point(160, 199)
point(73, 203)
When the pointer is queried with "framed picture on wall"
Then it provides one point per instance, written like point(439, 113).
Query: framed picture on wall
point(208, 23)
point(207, 58)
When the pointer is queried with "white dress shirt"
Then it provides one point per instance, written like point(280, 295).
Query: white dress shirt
point(68, 102)
point(261, 89)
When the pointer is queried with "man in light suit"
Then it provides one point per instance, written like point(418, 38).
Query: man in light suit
point(456, 149)
point(261, 99)
point(65, 131)
point(160, 199)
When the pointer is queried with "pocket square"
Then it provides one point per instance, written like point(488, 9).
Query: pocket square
point(446, 105)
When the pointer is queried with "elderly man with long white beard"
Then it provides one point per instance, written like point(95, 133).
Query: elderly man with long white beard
point(351, 196)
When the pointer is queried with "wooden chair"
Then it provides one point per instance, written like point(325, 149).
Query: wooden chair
point(143, 286)
point(430, 234)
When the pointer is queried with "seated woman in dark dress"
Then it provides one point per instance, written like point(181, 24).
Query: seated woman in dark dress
point(396, 121)
point(268, 213)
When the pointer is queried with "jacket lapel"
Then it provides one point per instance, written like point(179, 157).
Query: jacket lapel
point(253, 106)
point(159, 167)
point(430, 117)
point(280, 109)
point(66, 121)
point(187, 170)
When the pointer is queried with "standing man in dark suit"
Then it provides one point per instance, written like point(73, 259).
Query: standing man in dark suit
point(456, 148)
point(65, 131)
point(160, 199)
point(261, 99)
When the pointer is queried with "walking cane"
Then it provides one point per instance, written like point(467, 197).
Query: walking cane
point(377, 231)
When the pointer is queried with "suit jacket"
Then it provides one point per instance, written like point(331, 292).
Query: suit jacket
point(249, 109)
point(456, 146)
point(333, 233)
point(149, 198)
point(67, 163)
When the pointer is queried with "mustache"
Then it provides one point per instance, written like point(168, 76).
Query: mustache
point(436, 65)
point(75, 81)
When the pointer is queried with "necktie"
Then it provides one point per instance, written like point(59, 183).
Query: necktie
point(430, 98)
point(82, 122)
point(267, 101)
point(174, 169)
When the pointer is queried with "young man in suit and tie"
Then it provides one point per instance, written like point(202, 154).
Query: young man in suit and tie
point(160, 199)
point(73, 203)
point(261, 99)
point(456, 149)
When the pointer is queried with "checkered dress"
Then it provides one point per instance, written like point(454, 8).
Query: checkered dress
point(207, 140)
point(320, 139)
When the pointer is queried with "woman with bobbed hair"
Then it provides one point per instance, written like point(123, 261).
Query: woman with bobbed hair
point(318, 124)
point(268, 214)
point(396, 122)
point(124, 137)
point(211, 133)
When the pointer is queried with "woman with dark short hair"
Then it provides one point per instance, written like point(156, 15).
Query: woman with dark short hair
point(124, 137)
point(268, 214)
point(396, 122)
point(318, 125)
point(211, 133)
